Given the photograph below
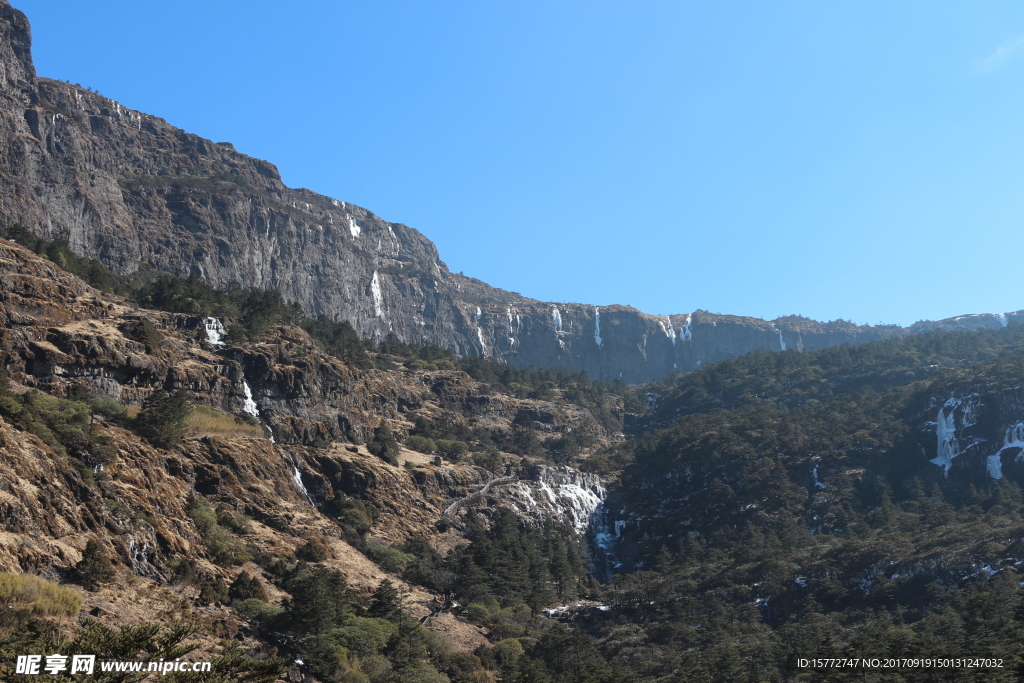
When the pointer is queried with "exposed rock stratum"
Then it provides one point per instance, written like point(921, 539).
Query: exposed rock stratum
point(141, 195)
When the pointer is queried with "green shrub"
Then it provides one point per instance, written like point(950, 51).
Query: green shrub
point(224, 547)
point(103, 450)
point(201, 514)
point(245, 587)
point(311, 551)
point(94, 569)
point(453, 450)
point(389, 559)
point(420, 444)
point(163, 418)
point(416, 672)
point(365, 636)
point(213, 591)
point(507, 651)
point(484, 611)
point(384, 444)
point(256, 609)
point(63, 425)
point(108, 408)
point(59, 252)
point(490, 460)
point(239, 524)
point(185, 570)
point(356, 516)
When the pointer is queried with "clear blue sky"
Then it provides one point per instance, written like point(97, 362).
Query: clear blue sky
point(860, 160)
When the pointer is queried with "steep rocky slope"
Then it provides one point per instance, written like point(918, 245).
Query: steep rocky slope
point(65, 339)
point(143, 196)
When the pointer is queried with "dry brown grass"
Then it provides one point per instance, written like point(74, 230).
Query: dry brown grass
point(209, 421)
point(38, 597)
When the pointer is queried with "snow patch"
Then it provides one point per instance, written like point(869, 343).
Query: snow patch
point(1002, 320)
point(597, 327)
point(353, 227)
point(995, 467)
point(685, 330)
point(556, 317)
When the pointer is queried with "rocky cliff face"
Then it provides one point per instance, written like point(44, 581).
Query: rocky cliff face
point(58, 335)
point(143, 196)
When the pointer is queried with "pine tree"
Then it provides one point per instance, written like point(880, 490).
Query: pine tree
point(386, 602)
point(245, 587)
point(320, 599)
point(94, 568)
point(163, 417)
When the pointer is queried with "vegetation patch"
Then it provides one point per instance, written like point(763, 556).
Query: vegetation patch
point(38, 597)
point(209, 421)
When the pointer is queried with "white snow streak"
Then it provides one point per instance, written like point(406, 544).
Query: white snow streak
point(556, 317)
point(685, 329)
point(945, 432)
point(480, 332)
point(669, 331)
point(353, 227)
point(297, 478)
point(995, 467)
point(249, 406)
point(378, 297)
point(597, 327)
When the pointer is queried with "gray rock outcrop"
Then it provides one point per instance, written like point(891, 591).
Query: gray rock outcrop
point(145, 197)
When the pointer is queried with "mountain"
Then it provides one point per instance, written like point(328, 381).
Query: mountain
point(145, 197)
point(286, 448)
point(297, 503)
point(763, 508)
